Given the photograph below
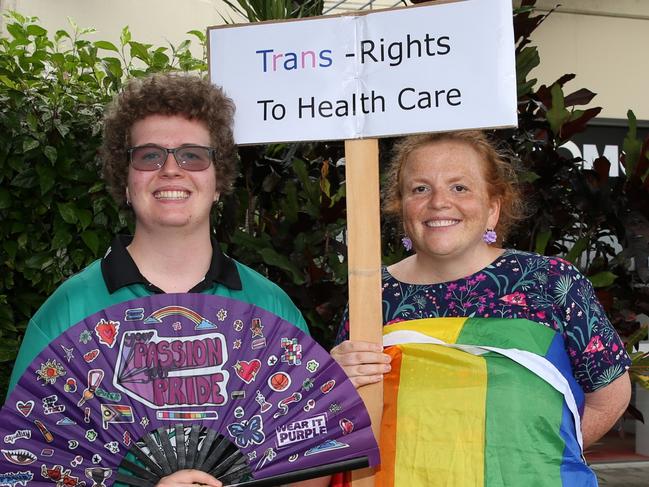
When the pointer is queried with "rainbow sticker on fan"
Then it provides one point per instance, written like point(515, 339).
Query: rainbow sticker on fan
point(200, 322)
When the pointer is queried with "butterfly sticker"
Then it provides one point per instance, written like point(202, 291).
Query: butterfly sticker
point(247, 432)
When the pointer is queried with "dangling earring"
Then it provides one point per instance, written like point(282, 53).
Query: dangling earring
point(490, 236)
point(128, 203)
point(407, 243)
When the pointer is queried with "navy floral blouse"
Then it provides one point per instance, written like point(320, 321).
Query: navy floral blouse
point(547, 290)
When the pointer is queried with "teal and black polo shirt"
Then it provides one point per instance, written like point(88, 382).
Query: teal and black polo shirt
point(116, 278)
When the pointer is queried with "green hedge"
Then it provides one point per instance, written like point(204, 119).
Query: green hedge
point(55, 214)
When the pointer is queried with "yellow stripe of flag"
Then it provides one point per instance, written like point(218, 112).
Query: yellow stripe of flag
point(444, 329)
point(454, 408)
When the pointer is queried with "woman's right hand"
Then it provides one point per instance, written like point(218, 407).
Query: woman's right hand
point(363, 362)
point(187, 478)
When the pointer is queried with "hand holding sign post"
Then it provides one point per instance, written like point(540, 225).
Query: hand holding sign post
point(439, 67)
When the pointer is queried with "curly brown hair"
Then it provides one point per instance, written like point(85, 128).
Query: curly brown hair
point(167, 94)
point(500, 174)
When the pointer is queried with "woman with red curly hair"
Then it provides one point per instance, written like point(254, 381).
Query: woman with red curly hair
point(499, 366)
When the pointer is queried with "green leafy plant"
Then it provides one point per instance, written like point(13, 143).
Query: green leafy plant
point(639, 369)
point(287, 216)
point(55, 214)
point(286, 219)
point(261, 10)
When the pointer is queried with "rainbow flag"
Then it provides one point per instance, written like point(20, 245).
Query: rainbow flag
point(473, 402)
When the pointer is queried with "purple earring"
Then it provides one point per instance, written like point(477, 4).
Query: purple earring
point(407, 243)
point(490, 236)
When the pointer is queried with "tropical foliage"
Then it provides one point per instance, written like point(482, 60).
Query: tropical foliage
point(55, 215)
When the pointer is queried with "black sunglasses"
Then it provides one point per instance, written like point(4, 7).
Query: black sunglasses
point(152, 157)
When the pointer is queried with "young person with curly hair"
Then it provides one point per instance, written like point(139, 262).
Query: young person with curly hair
point(168, 154)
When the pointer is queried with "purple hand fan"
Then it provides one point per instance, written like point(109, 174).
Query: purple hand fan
point(173, 381)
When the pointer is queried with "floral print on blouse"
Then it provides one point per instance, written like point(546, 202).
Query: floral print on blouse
point(547, 290)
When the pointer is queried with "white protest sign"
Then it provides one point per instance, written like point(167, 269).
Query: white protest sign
point(425, 68)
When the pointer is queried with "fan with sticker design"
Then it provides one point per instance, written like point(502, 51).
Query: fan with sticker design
point(155, 385)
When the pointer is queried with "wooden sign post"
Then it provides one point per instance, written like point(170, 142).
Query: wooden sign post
point(364, 264)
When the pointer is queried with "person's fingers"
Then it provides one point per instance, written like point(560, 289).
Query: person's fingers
point(179, 484)
point(363, 362)
point(358, 358)
point(364, 380)
point(371, 369)
point(188, 478)
point(361, 375)
point(368, 370)
point(196, 484)
point(359, 352)
point(357, 346)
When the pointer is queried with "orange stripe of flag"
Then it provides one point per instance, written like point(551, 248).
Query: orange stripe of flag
point(388, 442)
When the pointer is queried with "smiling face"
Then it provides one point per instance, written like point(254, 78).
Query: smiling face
point(171, 196)
point(446, 203)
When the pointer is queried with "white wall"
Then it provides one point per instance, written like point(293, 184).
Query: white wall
point(150, 21)
point(604, 42)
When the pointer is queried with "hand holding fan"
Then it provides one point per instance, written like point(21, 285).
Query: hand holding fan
point(182, 381)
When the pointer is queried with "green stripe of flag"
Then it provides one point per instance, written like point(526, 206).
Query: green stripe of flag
point(528, 429)
point(507, 333)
